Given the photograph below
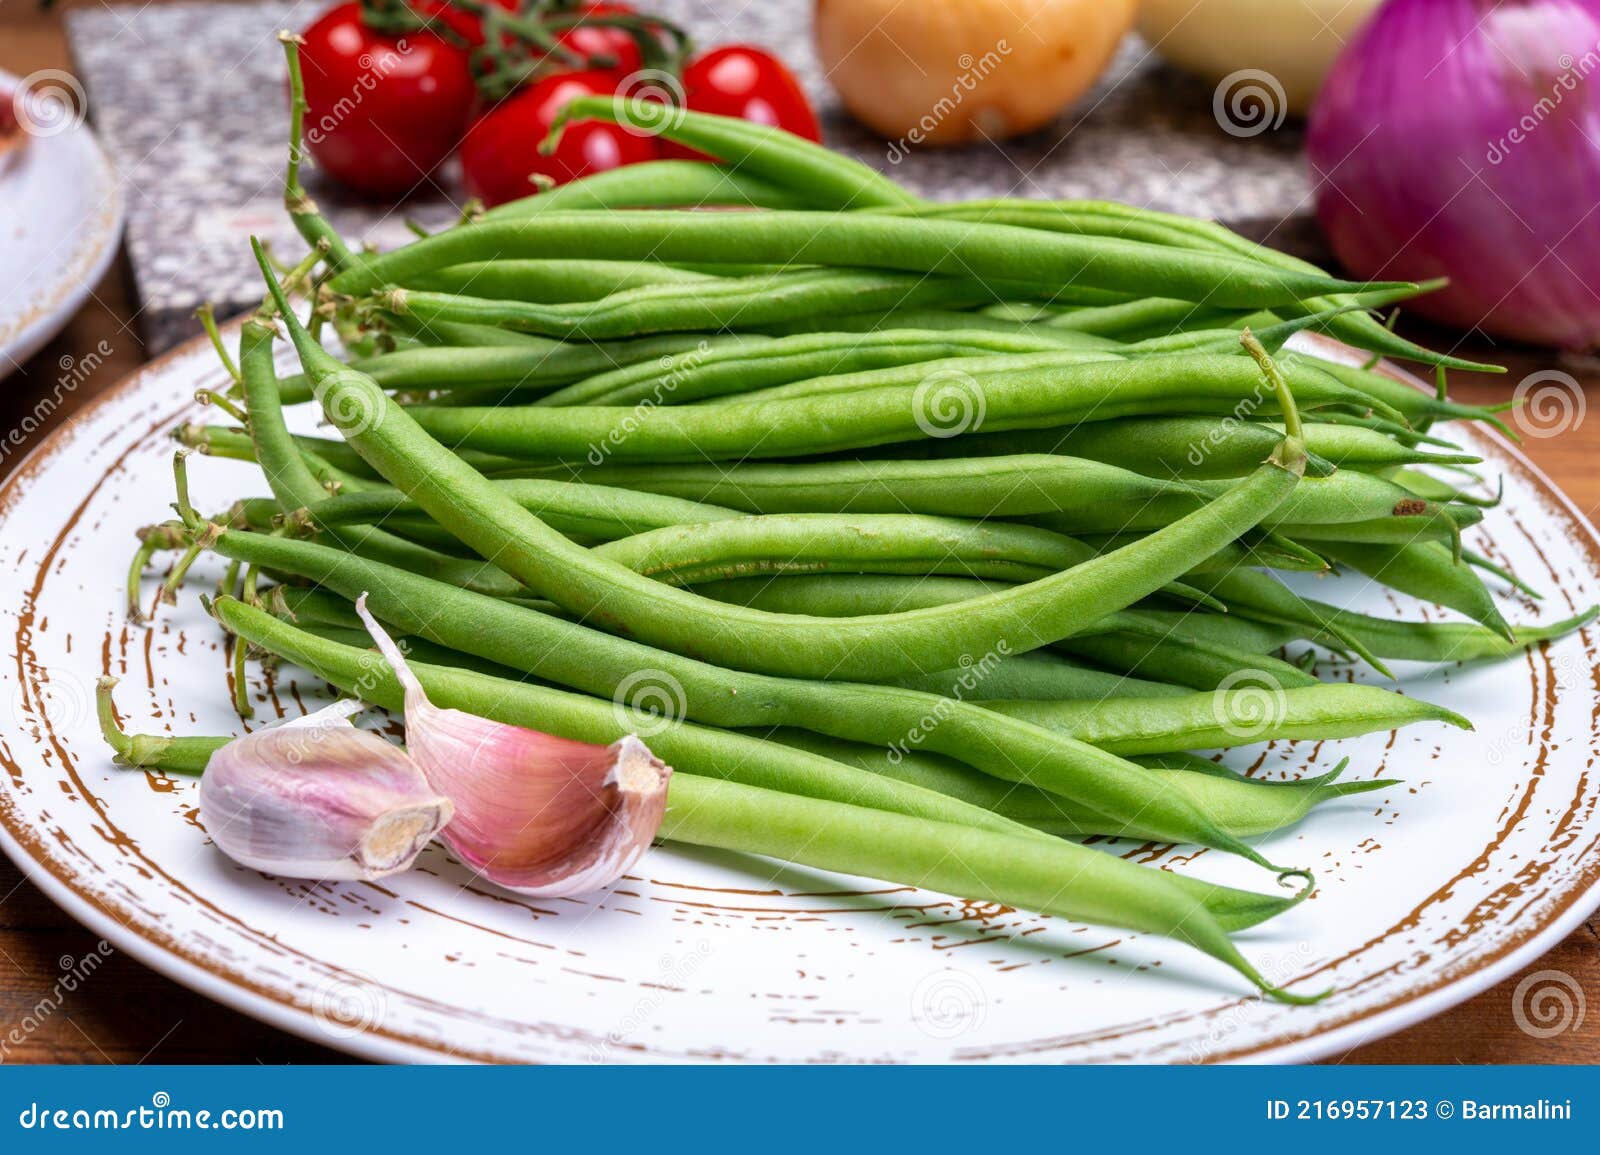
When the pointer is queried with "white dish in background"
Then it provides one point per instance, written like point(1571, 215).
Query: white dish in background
point(60, 220)
point(1429, 892)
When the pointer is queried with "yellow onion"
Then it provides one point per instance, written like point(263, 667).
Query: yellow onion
point(953, 71)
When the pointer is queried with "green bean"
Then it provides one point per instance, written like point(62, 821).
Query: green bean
point(599, 512)
point(942, 319)
point(1433, 641)
point(864, 543)
point(716, 303)
point(555, 281)
point(544, 364)
point(1085, 496)
point(1146, 317)
point(978, 487)
point(1127, 642)
point(295, 485)
point(1181, 659)
point(1271, 805)
point(685, 553)
point(838, 833)
point(575, 655)
point(319, 453)
point(1353, 496)
point(770, 155)
point(1204, 447)
point(1039, 675)
point(657, 184)
point(1032, 874)
point(1413, 402)
point(998, 253)
point(1259, 712)
point(1031, 397)
point(1424, 570)
point(1264, 598)
point(469, 505)
point(721, 371)
point(1433, 489)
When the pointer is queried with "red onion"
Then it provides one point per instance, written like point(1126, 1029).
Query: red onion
point(1461, 138)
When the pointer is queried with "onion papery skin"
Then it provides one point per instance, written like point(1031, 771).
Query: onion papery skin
point(1432, 155)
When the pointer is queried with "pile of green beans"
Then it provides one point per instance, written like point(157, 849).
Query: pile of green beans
point(940, 535)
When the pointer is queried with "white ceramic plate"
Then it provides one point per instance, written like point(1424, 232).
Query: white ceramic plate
point(60, 219)
point(1429, 893)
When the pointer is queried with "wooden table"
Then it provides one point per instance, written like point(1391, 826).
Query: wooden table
point(129, 1014)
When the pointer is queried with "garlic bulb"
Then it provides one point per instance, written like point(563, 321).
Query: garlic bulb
point(319, 798)
point(535, 813)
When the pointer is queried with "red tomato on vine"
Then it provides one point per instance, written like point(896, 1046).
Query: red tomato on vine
point(752, 84)
point(501, 154)
point(382, 111)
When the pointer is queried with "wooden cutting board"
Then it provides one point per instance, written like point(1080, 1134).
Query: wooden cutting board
point(189, 101)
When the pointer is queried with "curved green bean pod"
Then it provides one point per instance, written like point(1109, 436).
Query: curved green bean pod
point(557, 280)
point(1137, 642)
point(978, 383)
point(722, 371)
point(1203, 447)
point(1425, 570)
point(886, 543)
point(978, 487)
point(1406, 398)
point(598, 512)
point(771, 155)
point(1261, 712)
point(717, 303)
point(543, 363)
point(958, 860)
point(1270, 804)
point(987, 253)
point(657, 184)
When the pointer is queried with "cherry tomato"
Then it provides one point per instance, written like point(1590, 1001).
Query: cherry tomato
point(591, 40)
point(501, 151)
point(382, 111)
point(751, 84)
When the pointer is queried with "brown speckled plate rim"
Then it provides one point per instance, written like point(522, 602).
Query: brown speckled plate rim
point(1562, 915)
point(40, 319)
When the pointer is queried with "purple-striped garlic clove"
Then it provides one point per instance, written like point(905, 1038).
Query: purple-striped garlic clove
point(535, 813)
point(320, 798)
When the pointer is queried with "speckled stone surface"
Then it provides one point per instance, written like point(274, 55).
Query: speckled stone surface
point(189, 102)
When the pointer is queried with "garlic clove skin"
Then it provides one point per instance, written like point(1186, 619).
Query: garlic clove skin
point(316, 798)
point(535, 813)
